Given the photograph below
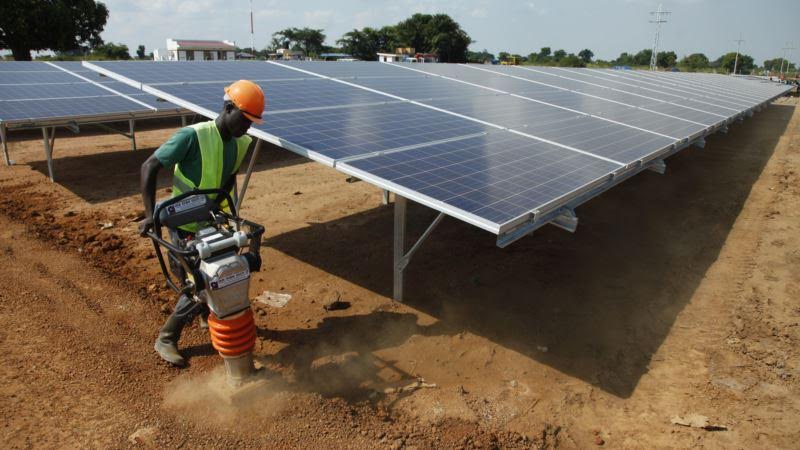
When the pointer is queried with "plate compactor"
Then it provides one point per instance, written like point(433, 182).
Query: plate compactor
point(213, 267)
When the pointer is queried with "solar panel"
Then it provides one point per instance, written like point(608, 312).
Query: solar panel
point(497, 147)
point(589, 130)
point(37, 91)
point(494, 177)
point(154, 73)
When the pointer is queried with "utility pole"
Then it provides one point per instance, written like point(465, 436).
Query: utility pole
point(738, 44)
point(659, 17)
point(252, 45)
point(789, 47)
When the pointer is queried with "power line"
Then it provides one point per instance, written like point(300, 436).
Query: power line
point(738, 44)
point(659, 17)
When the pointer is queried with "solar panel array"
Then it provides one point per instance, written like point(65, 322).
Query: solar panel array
point(495, 146)
point(32, 92)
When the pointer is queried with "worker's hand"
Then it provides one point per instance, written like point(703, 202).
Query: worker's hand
point(145, 225)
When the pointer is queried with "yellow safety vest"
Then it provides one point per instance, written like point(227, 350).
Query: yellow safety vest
point(211, 148)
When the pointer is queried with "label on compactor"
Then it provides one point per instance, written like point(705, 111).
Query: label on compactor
point(228, 280)
point(189, 203)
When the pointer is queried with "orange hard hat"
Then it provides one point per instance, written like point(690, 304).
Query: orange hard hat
point(248, 97)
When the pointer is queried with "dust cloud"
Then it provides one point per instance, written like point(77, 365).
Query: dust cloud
point(207, 398)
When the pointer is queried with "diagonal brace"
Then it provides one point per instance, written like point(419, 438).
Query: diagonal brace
point(401, 258)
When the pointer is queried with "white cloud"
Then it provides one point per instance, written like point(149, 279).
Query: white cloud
point(479, 13)
point(318, 17)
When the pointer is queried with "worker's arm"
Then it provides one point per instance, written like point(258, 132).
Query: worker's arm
point(172, 152)
point(149, 176)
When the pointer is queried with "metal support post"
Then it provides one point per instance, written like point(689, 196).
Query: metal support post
point(5, 143)
point(250, 167)
point(401, 259)
point(183, 121)
point(49, 142)
point(385, 199)
point(399, 245)
point(132, 128)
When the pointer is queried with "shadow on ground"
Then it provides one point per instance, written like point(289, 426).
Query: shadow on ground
point(101, 177)
point(337, 357)
point(602, 300)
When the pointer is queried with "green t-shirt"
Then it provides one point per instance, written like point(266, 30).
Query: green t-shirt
point(183, 148)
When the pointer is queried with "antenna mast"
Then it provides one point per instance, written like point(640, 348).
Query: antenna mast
point(659, 17)
point(738, 44)
point(789, 47)
point(252, 45)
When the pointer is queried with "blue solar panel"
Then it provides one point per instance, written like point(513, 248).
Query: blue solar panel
point(281, 95)
point(66, 108)
point(34, 91)
point(622, 143)
point(682, 99)
point(694, 97)
point(488, 157)
point(345, 132)
point(215, 72)
point(497, 177)
point(594, 95)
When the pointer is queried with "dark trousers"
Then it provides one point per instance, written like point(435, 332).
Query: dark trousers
point(186, 309)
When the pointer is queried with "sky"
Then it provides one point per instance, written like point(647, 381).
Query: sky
point(607, 27)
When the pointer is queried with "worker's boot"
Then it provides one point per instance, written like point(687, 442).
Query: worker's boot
point(167, 343)
point(204, 320)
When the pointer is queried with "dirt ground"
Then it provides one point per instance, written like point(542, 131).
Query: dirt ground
point(679, 294)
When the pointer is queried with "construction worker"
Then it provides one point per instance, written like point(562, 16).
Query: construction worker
point(206, 155)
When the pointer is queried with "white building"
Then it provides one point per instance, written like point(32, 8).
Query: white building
point(407, 54)
point(196, 50)
point(390, 57)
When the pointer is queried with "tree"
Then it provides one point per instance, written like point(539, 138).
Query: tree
point(642, 58)
point(364, 44)
point(666, 59)
point(544, 53)
point(728, 60)
point(479, 57)
point(586, 55)
point(140, 52)
point(434, 33)
point(558, 55)
point(309, 40)
point(111, 51)
point(774, 64)
point(448, 40)
point(58, 25)
point(571, 61)
point(624, 59)
point(695, 61)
